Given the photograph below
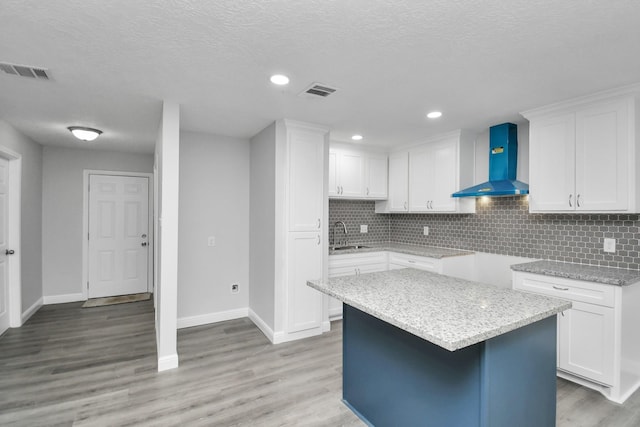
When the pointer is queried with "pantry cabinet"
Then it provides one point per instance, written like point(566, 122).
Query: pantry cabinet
point(288, 222)
point(357, 174)
point(583, 157)
point(423, 178)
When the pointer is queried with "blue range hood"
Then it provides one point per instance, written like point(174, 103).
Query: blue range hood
point(503, 162)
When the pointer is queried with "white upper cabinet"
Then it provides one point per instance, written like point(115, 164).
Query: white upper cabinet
point(423, 179)
point(377, 175)
point(433, 177)
point(398, 200)
point(357, 174)
point(583, 156)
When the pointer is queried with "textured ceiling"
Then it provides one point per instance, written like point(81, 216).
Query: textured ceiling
point(480, 62)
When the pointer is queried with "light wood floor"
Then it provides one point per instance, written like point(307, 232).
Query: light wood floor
point(97, 366)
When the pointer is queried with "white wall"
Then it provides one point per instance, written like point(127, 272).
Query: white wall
point(31, 211)
point(482, 155)
point(262, 225)
point(167, 165)
point(62, 176)
point(214, 201)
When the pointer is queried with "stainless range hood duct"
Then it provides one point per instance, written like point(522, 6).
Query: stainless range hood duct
point(503, 162)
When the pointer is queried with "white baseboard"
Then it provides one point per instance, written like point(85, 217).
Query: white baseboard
point(167, 362)
point(205, 319)
point(282, 337)
point(31, 310)
point(262, 325)
point(62, 299)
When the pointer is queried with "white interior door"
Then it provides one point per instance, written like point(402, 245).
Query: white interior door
point(118, 235)
point(4, 270)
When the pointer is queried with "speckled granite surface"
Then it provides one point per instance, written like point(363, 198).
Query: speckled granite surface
point(428, 251)
point(589, 273)
point(449, 312)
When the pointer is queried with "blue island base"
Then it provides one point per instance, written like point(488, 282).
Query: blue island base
point(394, 378)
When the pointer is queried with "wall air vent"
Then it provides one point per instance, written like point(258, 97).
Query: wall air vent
point(25, 71)
point(318, 90)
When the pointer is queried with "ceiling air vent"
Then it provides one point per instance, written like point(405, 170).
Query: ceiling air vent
point(25, 71)
point(318, 89)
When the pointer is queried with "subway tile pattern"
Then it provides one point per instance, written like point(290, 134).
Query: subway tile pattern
point(504, 226)
point(355, 213)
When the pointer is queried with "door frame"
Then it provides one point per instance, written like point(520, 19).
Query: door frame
point(85, 224)
point(14, 236)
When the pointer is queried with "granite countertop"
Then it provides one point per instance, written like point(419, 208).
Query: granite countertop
point(449, 312)
point(588, 273)
point(426, 251)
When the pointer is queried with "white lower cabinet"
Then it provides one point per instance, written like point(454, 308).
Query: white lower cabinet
point(587, 348)
point(373, 262)
point(352, 265)
point(598, 345)
point(305, 261)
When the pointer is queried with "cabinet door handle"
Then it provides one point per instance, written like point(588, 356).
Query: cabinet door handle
point(578, 200)
point(411, 261)
point(318, 222)
point(338, 189)
point(560, 288)
point(570, 196)
point(318, 239)
point(405, 206)
point(341, 189)
point(367, 191)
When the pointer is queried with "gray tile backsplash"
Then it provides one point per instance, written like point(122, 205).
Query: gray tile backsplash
point(355, 213)
point(502, 226)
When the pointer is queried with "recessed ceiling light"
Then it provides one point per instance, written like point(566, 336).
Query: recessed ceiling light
point(357, 137)
point(279, 79)
point(434, 114)
point(84, 133)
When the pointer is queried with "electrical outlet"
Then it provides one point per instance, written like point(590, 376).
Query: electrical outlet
point(211, 241)
point(364, 228)
point(609, 245)
point(425, 231)
point(235, 288)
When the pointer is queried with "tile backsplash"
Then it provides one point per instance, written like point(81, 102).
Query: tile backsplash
point(504, 226)
point(355, 213)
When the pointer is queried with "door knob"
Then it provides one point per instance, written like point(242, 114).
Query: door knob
point(144, 243)
point(9, 252)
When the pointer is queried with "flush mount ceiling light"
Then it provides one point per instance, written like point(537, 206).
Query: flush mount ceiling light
point(279, 79)
point(84, 133)
point(434, 114)
point(357, 137)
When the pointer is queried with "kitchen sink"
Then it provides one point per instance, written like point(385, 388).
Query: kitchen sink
point(344, 248)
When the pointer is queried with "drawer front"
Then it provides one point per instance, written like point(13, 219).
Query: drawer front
point(358, 269)
point(352, 260)
point(421, 263)
point(573, 290)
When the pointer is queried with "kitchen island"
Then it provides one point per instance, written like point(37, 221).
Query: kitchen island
point(423, 349)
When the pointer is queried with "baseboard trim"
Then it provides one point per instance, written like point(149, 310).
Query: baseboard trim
point(262, 325)
point(282, 337)
point(31, 310)
point(205, 319)
point(62, 299)
point(166, 363)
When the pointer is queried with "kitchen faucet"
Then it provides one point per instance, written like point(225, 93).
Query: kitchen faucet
point(344, 228)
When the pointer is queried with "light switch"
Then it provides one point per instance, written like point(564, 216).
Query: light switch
point(364, 228)
point(609, 245)
point(211, 241)
point(425, 231)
